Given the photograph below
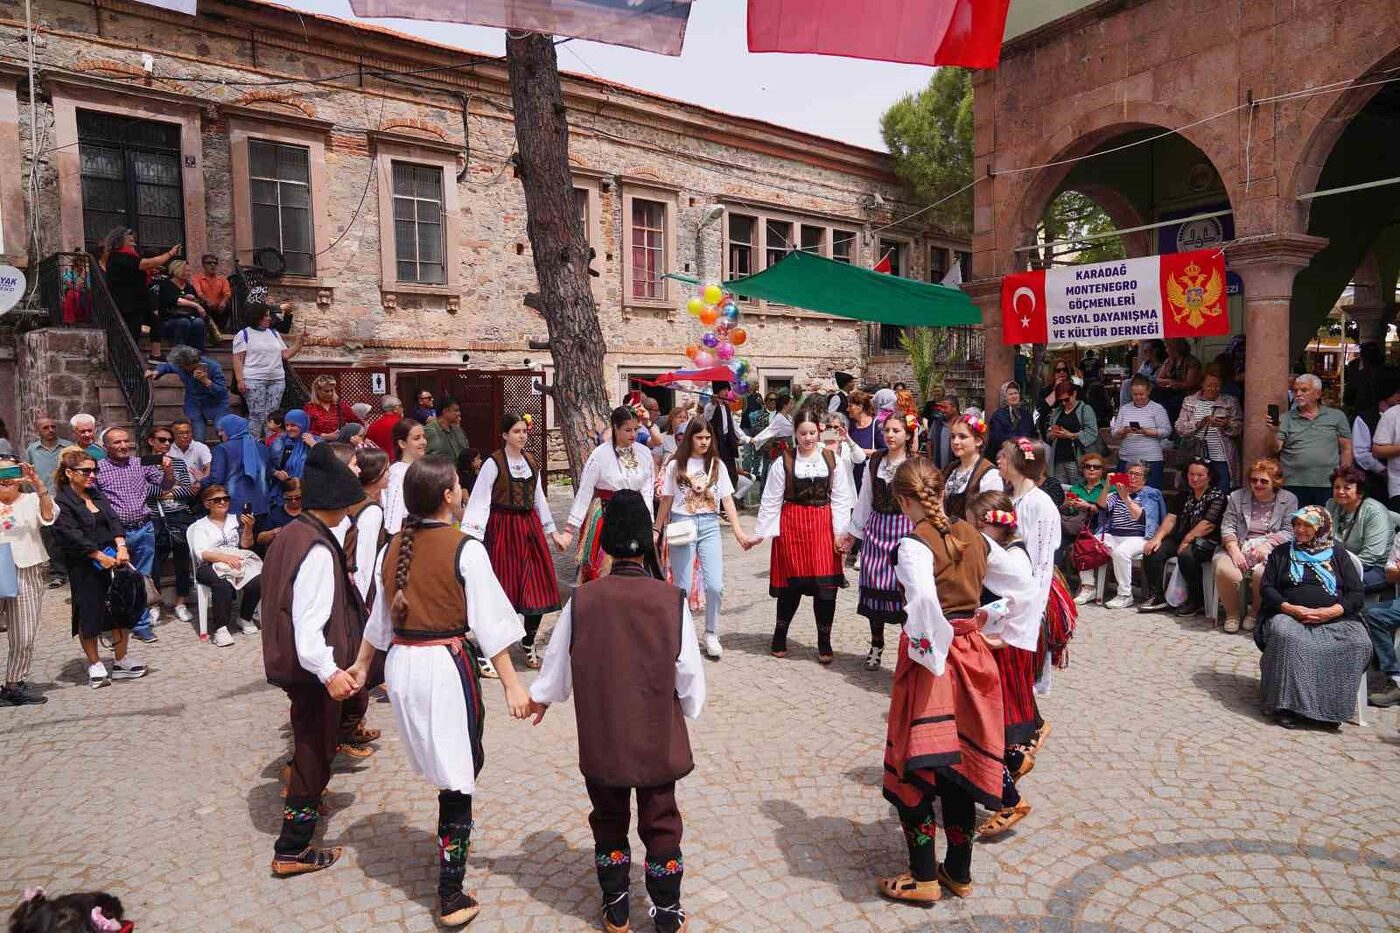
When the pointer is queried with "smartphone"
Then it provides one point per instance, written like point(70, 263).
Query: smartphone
point(11, 472)
point(247, 508)
point(1273, 413)
point(153, 460)
point(1218, 411)
point(1118, 479)
point(830, 434)
point(1135, 426)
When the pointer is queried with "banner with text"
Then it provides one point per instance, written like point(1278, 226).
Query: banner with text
point(1175, 295)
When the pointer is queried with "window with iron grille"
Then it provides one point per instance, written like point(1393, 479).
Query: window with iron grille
point(279, 180)
point(741, 229)
point(130, 170)
point(843, 245)
point(648, 248)
point(889, 337)
point(419, 223)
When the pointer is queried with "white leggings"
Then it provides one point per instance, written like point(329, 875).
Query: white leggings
point(1125, 551)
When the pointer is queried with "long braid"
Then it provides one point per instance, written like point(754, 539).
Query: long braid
point(919, 479)
point(399, 610)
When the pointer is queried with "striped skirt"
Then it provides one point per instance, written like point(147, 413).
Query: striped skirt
point(880, 598)
point(592, 562)
point(804, 557)
point(521, 561)
point(1019, 710)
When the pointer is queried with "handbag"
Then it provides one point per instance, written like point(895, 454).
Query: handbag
point(9, 572)
point(1088, 552)
point(681, 533)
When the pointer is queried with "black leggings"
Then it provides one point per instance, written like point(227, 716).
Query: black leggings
point(532, 628)
point(959, 825)
point(823, 609)
point(224, 594)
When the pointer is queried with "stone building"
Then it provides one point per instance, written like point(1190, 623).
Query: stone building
point(380, 165)
point(1280, 122)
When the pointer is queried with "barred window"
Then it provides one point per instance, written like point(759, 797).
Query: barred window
point(279, 177)
point(419, 223)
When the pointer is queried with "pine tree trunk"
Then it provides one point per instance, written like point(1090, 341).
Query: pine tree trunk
point(558, 245)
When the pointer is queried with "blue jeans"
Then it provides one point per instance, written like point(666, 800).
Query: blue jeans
point(1311, 495)
point(711, 562)
point(184, 330)
point(141, 545)
point(1382, 620)
point(199, 411)
point(1154, 471)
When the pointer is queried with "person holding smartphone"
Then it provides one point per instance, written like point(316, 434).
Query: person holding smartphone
point(1312, 440)
point(1141, 427)
point(22, 515)
point(1214, 421)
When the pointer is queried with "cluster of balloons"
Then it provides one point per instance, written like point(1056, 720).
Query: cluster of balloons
point(718, 311)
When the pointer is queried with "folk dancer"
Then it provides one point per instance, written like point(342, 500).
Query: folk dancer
point(625, 646)
point(436, 583)
point(969, 472)
point(806, 507)
point(944, 733)
point(617, 463)
point(509, 512)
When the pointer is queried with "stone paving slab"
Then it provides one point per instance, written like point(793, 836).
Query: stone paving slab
point(1163, 800)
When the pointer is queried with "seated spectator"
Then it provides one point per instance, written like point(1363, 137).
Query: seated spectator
point(260, 358)
point(287, 456)
point(423, 412)
point(214, 291)
point(178, 308)
point(206, 392)
point(1362, 525)
point(1191, 535)
point(1084, 502)
point(174, 511)
point(85, 435)
point(1011, 420)
point(280, 515)
point(1216, 419)
point(1141, 427)
point(327, 412)
point(1382, 620)
point(1256, 521)
point(224, 540)
point(1134, 513)
point(381, 430)
point(240, 466)
point(362, 411)
point(445, 435)
point(1315, 646)
point(1071, 431)
point(196, 454)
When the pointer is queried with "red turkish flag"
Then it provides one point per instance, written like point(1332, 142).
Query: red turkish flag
point(884, 264)
point(920, 32)
point(1023, 318)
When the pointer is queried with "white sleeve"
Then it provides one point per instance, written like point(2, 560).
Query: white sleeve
point(770, 506)
point(586, 482)
point(648, 489)
point(857, 453)
point(843, 489)
point(392, 501)
point(690, 670)
point(478, 511)
point(1042, 538)
point(991, 482)
point(492, 617)
point(240, 342)
point(724, 487)
point(313, 592)
point(555, 680)
point(197, 537)
point(863, 506)
point(833, 405)
point(541, 504)
point(930, 633)
point(1009, 576)
point(378, 630)
point(1163, 422)
point(1361, 447)
point(370, 521)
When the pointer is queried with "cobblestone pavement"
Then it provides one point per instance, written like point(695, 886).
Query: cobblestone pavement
point(1162, 801)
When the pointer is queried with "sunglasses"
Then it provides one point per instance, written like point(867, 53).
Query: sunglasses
point(291, 498)
point(215, 500)
point(162, 440)
point(1091, 466)
point(86, 471)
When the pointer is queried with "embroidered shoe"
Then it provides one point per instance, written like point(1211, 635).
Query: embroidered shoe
point(615, 913)
point(958, 888)
point(457, 909)
point(872, 659)
point(305, 861)
point(1002, 820)
point(908, 889)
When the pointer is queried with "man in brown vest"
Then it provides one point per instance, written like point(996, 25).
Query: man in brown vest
point(311, 633)
point(622, 642)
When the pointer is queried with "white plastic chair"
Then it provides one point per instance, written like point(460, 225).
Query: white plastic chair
point(1207, 581)
point(202, 595)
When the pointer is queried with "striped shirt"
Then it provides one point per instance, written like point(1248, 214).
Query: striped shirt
point(1120, 519)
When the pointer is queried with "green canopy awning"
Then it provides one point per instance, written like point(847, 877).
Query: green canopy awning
point(829, 287)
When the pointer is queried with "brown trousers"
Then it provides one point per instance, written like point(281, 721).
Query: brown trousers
point(315, 737)
point(658, 817)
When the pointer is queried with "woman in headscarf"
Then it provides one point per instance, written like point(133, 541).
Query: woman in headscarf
point(287, 458)
point(1315, 646)
point(1011, 420)
point(240, 466)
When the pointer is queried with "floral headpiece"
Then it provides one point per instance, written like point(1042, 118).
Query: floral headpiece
point(1000, 517)
point(529, 419)
point(975, 422)
point(911, 422)
point(1027, 448)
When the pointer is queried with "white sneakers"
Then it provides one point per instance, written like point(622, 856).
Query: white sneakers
point(1119, 602)
point(97, 675)
point(247, 627)
point(712, 646)
point(222, 638)
point(128, 668)
point(1085, 596)
point(182, 612)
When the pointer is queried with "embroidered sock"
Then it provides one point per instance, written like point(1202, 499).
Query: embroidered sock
point(532, 628)
point(959, 822)
point(663, 878)
point(877, 634)
point(454, 840)
point(299, 816)
point(614, 864)
point(918, 836)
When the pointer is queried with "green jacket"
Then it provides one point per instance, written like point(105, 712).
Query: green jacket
point(1367, 532)
point(444, 441)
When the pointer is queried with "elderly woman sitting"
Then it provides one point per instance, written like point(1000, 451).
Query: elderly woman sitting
point(1133, 514)
point(1256, 521)
point(1315, 646)
point(1362, 525)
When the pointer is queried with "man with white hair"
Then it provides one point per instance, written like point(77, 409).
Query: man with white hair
point(85, 435)
point(1312, 441)
point(380, 433)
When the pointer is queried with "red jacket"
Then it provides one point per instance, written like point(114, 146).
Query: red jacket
point(380, 432)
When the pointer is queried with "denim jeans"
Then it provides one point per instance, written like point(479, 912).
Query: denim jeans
point(201, 411)
point(1382, 620)
point(141, 545)
point(711, 563)
point(184, 330)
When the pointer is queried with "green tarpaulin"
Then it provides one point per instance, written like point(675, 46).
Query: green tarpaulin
point(824, 285)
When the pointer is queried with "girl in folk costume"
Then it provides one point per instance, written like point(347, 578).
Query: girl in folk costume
point(409, 444)
point(1013, 633)
point(363, 540)
point(944, 733)
point(879, 524)
point(694, 487)
point(625, 648)
point(617, 463)
point(971, 472)
point(509, 512)
point(806, 506)
point(435, 583)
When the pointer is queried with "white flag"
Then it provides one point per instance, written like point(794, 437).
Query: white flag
point(954, 277)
